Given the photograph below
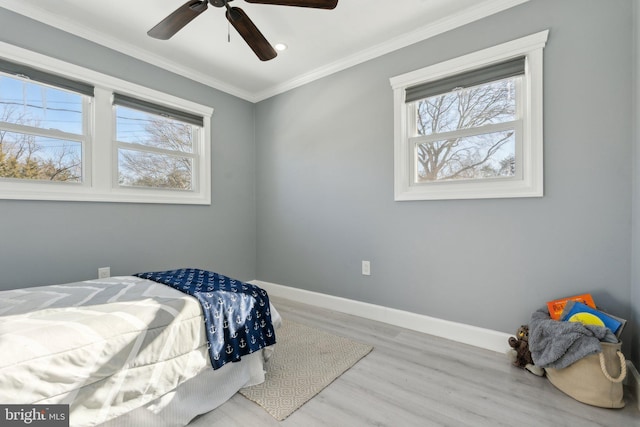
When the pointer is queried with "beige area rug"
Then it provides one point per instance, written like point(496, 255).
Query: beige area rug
point(304, 362)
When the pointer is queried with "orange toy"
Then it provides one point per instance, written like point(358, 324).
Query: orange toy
point(556, 306)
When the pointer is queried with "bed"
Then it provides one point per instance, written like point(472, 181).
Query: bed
point(120, 351)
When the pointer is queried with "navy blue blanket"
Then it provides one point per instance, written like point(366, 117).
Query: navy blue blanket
point(236, 314)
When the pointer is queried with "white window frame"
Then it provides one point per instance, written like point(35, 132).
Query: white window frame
point(529, 155)
point(100, 160)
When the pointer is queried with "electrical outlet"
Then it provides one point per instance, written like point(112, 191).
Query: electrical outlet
point(366, 268)
point(104, 272)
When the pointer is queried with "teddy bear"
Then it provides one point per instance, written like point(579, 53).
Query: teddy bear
point(519, 353)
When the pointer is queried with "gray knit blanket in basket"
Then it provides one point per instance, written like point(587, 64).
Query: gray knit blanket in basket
point(558, 344)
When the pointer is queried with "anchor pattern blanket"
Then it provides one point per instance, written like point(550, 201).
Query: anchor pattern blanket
point(236, 314)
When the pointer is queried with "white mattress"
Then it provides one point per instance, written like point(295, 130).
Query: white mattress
point(108, 347)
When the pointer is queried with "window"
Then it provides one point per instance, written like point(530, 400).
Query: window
point(108, 140)
point(471, 127)
point(43, 125)
point(155, 145)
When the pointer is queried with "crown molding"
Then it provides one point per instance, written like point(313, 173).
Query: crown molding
point(477, 12)
point(118, 45)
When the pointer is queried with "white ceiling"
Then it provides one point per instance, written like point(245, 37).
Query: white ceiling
point(320, 42)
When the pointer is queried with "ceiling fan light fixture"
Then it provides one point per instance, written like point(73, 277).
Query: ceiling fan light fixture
point(280, 47)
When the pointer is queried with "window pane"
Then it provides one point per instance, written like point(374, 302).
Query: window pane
point(26, 156)
point(145, 169)
point(137, 127)
point(490, 155)
point(467, 108)
point(32, 104)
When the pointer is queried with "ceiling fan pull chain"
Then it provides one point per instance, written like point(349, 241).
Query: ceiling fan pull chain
point(228, 32)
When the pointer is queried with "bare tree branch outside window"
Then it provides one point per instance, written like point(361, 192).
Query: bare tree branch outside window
point(27, 156)
point(477, 154)
point(170, 169)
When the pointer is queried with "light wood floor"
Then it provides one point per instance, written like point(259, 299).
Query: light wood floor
point(413, 379)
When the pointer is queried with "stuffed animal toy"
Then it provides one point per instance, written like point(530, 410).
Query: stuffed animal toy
point(520, 354)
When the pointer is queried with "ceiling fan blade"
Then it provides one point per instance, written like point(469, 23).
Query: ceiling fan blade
point(173, 23)
point(250, 33)
point(318, 4)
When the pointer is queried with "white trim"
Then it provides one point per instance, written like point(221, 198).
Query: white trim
point(72, 71)
point(87, 33)
point(481, 10)
point(529, 139)
point(465, 17)
point(460, 332)
point(487, 339)
point(511, 49)
point(98, 186)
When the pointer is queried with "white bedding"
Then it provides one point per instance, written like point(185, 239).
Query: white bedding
point(108, 347)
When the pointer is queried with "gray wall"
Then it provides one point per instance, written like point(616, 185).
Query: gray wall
point(325, 183)
point(56, 242)
point(635, 261)
point(324, 160)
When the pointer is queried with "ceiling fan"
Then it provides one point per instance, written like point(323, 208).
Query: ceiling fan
point(173, 23)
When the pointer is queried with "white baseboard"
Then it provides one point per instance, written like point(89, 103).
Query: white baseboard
point(460, 332)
